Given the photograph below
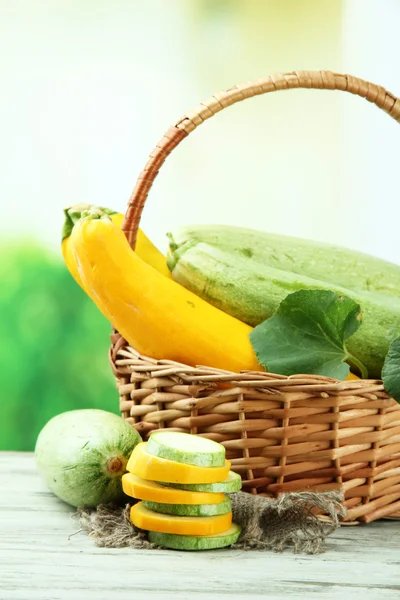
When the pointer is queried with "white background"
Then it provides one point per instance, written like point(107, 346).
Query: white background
point(88, 88)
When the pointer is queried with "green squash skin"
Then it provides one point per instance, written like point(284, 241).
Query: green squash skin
point(233, 483)
point(192, 542)
point(75, 451)
point(251, 292)
point(158, 447)
point(318, 260)
point(190, 510)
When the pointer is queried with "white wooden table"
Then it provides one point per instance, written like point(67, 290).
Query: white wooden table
point(39, 560)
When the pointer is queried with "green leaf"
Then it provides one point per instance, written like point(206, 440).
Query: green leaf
point(391, 370)
point(307, 334)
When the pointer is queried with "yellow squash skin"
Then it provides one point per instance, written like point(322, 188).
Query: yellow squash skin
point(144, 489)
point(144, 518)
point(146, 466)
point(144, 248)
point(156, 315)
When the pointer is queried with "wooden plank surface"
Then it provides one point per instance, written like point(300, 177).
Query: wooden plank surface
point(40, 559)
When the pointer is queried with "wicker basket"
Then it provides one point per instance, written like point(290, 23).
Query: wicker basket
point(280, 433)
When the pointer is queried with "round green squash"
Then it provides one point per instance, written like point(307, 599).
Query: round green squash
point(82, 454)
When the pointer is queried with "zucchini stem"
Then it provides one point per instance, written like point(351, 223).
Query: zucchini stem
point(114, 465)
point(360, 366)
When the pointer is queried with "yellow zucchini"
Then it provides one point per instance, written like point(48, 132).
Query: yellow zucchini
point(144, 247)
point(156, 315)
point(143, 489)
point(144, 518)
point(146, 466)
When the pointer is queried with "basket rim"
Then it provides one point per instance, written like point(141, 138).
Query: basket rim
point(121, 354)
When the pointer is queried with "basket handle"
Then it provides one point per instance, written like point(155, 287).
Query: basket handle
point(325, 80)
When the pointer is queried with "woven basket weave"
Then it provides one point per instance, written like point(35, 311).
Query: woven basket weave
point(280, 433)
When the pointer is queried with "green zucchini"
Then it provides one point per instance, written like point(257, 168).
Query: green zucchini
point(252, 291)
point(231, 484)
point(196, 542)
point(82, 454)
point(334, 264)
point(190, 510)
point(186, 448)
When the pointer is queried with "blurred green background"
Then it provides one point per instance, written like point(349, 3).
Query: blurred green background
point(55, 342)
point(87, 90)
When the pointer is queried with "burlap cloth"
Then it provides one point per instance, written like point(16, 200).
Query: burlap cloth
point(300, 520)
